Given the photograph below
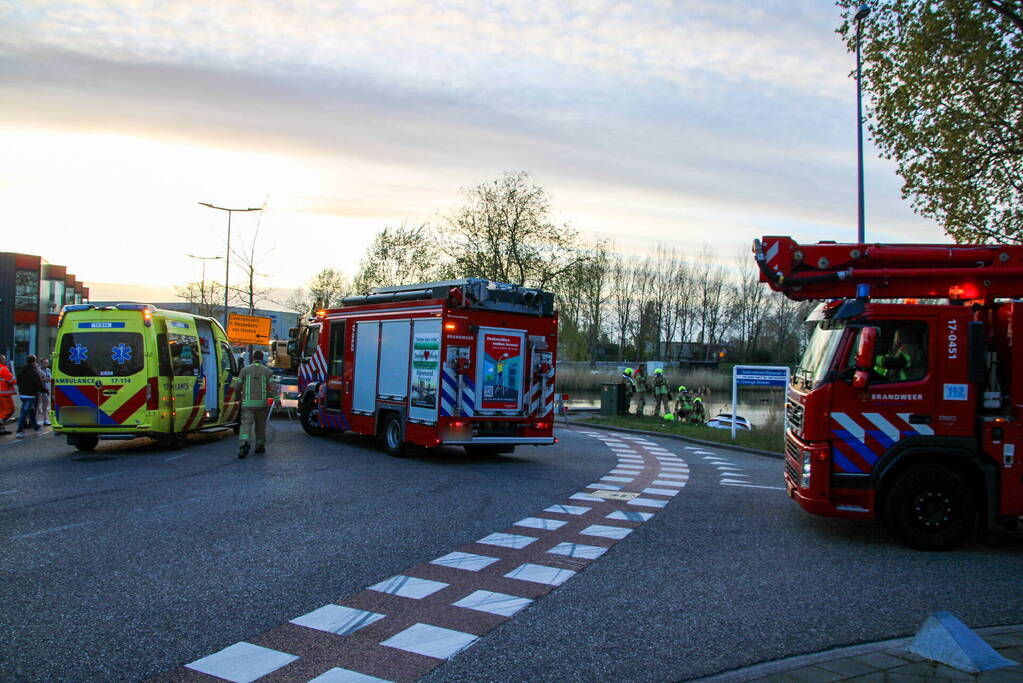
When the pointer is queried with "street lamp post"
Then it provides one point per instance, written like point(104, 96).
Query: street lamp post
point(861, 14)
point(202, 282)
point(227, 269)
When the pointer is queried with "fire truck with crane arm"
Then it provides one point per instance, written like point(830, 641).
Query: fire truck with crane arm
point(463, 362)
point(905, 411)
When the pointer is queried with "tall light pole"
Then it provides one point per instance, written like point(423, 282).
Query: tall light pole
point(202, 283)
point(227, 270)
point(861, 14)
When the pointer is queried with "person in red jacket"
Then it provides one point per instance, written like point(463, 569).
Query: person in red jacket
point(6, 393)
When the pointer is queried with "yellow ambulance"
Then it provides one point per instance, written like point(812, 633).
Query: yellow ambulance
point(129, 370)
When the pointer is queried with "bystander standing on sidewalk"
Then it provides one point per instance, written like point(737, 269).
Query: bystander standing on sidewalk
point(30, 385)
point(6, 394)
point(43, 402)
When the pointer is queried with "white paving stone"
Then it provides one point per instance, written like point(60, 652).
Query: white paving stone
point(648, 502)
point(568, 509)
point(586, 496)
point(601, 485)
point(467, 561)
point(494, 603)
point(509, 540)
point(621, 479)
point(670, 475)
point(665, 482)
point(337, 619)
point(630, 515)
point(660, 492)
point(242, 662)
point(541, 523)
point(339, 675)
point(539, 573)
point(605, 531)
point(587, 552)
point(431, 641)
point(408, 587)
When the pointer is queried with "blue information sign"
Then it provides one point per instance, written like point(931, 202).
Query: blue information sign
point(761, 377)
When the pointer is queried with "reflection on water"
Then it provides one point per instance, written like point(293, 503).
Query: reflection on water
point(755, 406)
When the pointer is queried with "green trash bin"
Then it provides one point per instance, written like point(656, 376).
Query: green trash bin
point(612, 399)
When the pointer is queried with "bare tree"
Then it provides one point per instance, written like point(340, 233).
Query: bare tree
point(623, 290)
point(206, 297)
point(401, 255)
point(596, 292)
point(749, 304)
point(326, 289)
point(251, 293)
point(711, 293)
point(505, 232)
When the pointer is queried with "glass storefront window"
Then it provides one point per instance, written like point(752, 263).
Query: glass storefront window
point(24, 342)
point(26, 290)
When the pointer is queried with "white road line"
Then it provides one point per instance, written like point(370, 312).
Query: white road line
point(175, 457)
point(8, 491)
point(104, 476)
point(754, 486)
point(56, 528)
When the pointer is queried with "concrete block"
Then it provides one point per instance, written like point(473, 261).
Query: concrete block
point(943, 638)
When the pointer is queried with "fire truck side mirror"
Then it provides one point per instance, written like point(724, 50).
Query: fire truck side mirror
point(864, 357)
point(292, 347)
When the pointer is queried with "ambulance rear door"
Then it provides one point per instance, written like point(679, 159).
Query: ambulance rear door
point(186, 374)
point(209, 371)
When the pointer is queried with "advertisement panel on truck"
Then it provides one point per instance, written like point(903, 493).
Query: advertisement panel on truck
point(501, 363)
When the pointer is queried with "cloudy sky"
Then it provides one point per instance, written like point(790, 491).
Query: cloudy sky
point(684, 123)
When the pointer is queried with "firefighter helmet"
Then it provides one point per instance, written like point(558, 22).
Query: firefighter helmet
point(658, 371)
point(669, 417)
point(628, 371)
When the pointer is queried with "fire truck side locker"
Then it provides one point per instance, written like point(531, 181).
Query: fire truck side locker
point(367, 351)
point(393, 382)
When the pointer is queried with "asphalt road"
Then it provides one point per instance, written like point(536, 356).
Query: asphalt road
point(123, 568)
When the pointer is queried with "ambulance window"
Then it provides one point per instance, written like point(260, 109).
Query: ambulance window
point(184, 355)
point(311, 340)
point(162, 355)
point(101, 354)
point(228, 354)
point(337, 348)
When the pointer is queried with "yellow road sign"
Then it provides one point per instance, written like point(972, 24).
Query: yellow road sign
point(248, 329)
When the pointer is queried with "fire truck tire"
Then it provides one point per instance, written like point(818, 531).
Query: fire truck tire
point(308, 416)
point(930, 507)
point(392, 437)
point(85, 442)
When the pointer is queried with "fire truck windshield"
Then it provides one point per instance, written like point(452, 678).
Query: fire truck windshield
point(816, 361)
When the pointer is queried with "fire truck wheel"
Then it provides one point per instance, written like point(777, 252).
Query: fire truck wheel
point(392, 438)
point(931, 508)
point(309, 416)
point(85, 442)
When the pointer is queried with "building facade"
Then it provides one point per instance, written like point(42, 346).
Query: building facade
point(32, 293)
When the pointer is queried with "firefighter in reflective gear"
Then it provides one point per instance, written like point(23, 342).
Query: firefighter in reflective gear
point(257, 389)
point(683, 402)
point(902, 362)
point(698, 416)
point(641, 388)
point(630, 387)
point(660, 392)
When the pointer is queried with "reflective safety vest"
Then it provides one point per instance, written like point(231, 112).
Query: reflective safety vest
point(660, 385)
point(630, 384)
point(256, 381)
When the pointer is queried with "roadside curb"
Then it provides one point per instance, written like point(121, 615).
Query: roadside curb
point(678, 437)
point(894, 649)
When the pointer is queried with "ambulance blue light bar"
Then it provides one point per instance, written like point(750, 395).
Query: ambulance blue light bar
point(147, 311)
point(76, 307)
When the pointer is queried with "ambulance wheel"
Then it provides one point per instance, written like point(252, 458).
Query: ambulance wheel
point(85, 442)
point(392, 437)
point(930, 507)
point(309, 416)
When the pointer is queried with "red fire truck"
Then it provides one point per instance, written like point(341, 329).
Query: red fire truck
point(465, 362)
point(904, 410)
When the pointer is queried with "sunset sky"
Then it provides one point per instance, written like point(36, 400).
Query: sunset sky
point(686, 123)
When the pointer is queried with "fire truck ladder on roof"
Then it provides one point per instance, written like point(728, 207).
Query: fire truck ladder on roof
point(827, 270)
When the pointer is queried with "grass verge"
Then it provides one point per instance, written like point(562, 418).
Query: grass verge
point(764, 440)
